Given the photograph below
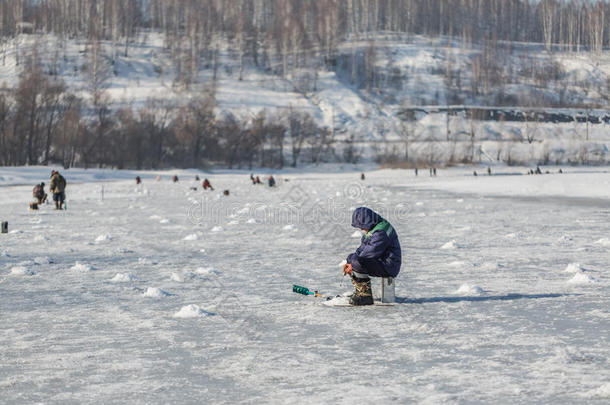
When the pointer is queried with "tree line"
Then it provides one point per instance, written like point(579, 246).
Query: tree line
point(299, 31)
point(43, 123)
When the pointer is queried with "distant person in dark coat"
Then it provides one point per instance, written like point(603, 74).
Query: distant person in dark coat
point(271, 181)
point(379, 254)
point(39, 193)
point(58, 187)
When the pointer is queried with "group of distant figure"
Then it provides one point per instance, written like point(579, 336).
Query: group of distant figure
point(256, 180)
point(207, 185)
point(529, 172)
point(431, 170)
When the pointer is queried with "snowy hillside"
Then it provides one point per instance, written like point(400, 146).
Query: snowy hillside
point(410, 72)
point(162, 294)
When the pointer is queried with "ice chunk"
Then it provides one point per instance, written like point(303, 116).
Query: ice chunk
point(582, 278)
point(21, 271)
point(42, 260)
point(603, 242)
point(452, 244)
point(192, 236)
point(467, 289)
point(574, 268)
point(78, 266)
point(191, 311)
point(123, 278)
point(154, 292)
point(103, 238)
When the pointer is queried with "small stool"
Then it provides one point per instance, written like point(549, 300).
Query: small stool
point(384, 289)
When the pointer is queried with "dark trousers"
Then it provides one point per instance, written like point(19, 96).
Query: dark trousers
point(372, 267)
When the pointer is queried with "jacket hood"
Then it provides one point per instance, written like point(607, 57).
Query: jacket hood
point(365, 218)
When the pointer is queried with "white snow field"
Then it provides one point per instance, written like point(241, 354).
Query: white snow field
point(163, 294)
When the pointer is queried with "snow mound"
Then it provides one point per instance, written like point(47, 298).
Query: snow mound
point(207, 271)
point(15, 231)
point(467, 289)
point(40, 238)
point(42, 260)
point(457, 263)
point(217, 228)
point(574, 268)
point(514, 235)
point(253, 221)
point(123, 278)
point(191, 311)
point(234, 222)
point(601, 392)
point(452, 244)
point(164, 221)
point(357, 234)
point(177, 277)
point(564, 239)
point(192, 236)
point(155, 217)
point(603, 242)
point(145, 261)
point(419, 203)
point(582, 278)
point(154, 292)
point(290, 227)
point(103, 238)
point(21, 271)
point(490, 266)
point(78, 266)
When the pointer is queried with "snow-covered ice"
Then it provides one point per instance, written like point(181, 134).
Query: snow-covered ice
point(520, 319)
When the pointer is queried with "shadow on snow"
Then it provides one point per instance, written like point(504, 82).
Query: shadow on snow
point(507, 297)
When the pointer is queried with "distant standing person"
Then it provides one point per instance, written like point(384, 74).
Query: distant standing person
point(434, 171)
point(58, 187)
point(206, 184)
point(362, 177)
point(489, 171)
point(416, 172)
point(138, 180)
point(39, 193)
point(175, 178)
point(271, 181)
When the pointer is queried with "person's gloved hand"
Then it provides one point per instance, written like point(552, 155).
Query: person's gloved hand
point(347, 269)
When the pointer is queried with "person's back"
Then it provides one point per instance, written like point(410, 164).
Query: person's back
point(39, 193)
point(58, 187)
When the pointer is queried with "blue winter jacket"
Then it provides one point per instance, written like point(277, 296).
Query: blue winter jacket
point(380, 242)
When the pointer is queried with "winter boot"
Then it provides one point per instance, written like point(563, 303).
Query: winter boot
point(363, 294)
